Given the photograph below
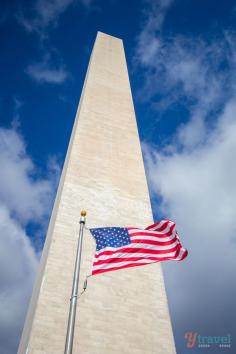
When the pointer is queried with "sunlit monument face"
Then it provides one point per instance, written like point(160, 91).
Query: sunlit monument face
point(123, 311)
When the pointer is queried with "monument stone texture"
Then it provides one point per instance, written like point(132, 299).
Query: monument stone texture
point(124, 311)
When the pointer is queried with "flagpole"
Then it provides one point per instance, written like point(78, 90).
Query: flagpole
point(74, 292)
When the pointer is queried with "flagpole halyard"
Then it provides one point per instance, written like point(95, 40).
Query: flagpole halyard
point(74, 293)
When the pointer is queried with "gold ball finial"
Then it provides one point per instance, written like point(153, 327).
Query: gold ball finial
point(83, 213)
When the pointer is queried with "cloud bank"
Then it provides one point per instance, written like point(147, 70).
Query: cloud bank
point(192, 175)
point(197, 189)
point(25, 198)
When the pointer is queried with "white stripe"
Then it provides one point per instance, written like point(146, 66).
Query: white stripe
point(181, 254)
point(153, 238)
point(156, 228)
point(137, 246)
point(133, 230)
point(129, 255)
point(111, 249)
point(167, 229)
point(120, 264)
point(137, 254)
point(159, 224)
point(153, 231)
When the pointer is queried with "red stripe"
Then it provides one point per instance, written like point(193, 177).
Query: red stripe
point(155, 233)
point(178, 250)
point(99, 271)
point(159, 228)
point(158, 243)
point(154, 225)
point(135, 250)
point(184, 255)
point(132, 259)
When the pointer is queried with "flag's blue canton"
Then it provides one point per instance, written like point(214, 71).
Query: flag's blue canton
point(110, 237)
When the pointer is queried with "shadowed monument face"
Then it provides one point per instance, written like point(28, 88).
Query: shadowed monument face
point(123, 311)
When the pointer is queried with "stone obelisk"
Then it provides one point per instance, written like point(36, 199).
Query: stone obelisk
point(123, 311)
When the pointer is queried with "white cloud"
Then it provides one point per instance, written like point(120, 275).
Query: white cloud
point(87, 3)
point(39, 19)
point(184, 67)
point(45, 13)
point(200, 73)
point(192, 175)
point(203, 176)
point(25, 198)
point(45, 72)
point(18, 263)
point(197, 189)
point(17, 105)
point(148, 44)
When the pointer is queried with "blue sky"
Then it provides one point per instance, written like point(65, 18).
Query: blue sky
point(181, 57)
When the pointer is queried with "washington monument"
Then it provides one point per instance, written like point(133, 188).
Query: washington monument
point(124, 311)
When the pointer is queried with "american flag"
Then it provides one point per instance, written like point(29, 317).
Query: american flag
point(119, 247)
